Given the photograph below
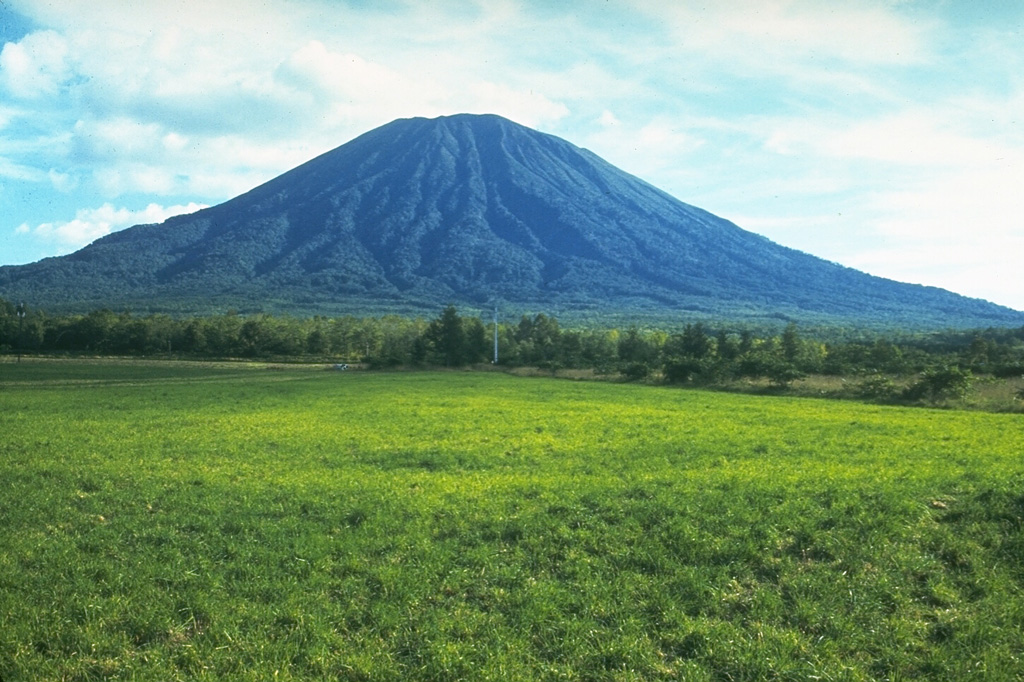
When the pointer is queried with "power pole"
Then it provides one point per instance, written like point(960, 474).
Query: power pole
point(495, 335)
point(20, 311)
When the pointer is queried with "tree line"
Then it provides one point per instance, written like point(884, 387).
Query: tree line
point(697, 353)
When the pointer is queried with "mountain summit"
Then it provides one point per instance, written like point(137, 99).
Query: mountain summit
point(471, 209)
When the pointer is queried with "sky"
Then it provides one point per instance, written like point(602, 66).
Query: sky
point(885, 135)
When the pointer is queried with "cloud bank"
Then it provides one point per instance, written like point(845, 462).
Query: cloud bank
point(90, 224)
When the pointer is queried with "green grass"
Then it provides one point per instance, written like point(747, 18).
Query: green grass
point(162, 522)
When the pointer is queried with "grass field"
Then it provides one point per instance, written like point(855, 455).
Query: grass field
point(172, 521)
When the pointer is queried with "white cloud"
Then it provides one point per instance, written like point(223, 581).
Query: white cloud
point(173, 110)
point(7, 114)
point(341, 87)
point(658, 150)
point(961, 230)
point(906, 138)
point(971, 269)
point(12, 170)
point(775, 35)
point(124, 155)
point(526, 107)
point(118, 138)
point(62, 182)
point(90, 224)
point(117, 180)
point(910, 138)
point(36, 66)
point(608, 119)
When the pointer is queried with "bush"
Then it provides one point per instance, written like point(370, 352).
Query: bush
point(635, 371)
point(940, 383)
point(782, 374)
point(877, 388)
point(1009, 370)
point(682, 370)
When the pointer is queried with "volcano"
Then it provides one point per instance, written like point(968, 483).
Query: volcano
point(473, 210)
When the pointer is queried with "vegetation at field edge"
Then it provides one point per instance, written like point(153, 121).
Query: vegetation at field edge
point(253, 524)
point(938, 369)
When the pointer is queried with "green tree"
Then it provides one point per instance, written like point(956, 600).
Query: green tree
point(8, 325)
point(445, 339)
point(634, 348)
point(252, 336)
point(365, 337)
point(790, 343)
point(781, 373)
point(571, 351)
point(726, 346)
point(476, 341)
point(399, 340)
point(93, 332)
point(537, 340)
point(318, 341)
point(193, 337)
point(600, 350)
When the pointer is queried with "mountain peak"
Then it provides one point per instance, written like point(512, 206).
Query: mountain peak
point(471, 208)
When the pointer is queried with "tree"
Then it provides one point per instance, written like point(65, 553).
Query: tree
point(317, 341)
point(634, 348)
point(444, 340)
point(782, 373)
point(689, 354)
point(8, 325)
point(365, 337)
point(600, 350)
point(746, 342)
point(93, 332)
point(571, 350)
point(546, 337)
point(726, 346)
point(193, 337)
point(790, 343)
point(476, 342)
point(252, 336)
point(537, 340)
point(450, 338)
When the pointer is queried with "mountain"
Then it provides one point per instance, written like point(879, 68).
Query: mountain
point(470, 210)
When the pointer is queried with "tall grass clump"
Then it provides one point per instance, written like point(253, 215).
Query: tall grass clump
point(239, 523)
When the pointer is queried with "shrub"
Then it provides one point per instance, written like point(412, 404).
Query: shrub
point(1009, 370)
point(877, 388)
point(682, 369)
point(940, 383)
point(782, 374)
point(635, 371)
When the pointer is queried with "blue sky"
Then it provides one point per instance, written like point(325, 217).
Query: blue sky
point(885, 135)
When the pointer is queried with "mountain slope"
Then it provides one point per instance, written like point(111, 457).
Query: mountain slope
point(470, 209)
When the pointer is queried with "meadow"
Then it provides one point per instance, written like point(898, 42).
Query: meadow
point(191, 521)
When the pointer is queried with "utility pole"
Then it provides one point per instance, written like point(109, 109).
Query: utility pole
point(495, 335)
point(20, 312)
